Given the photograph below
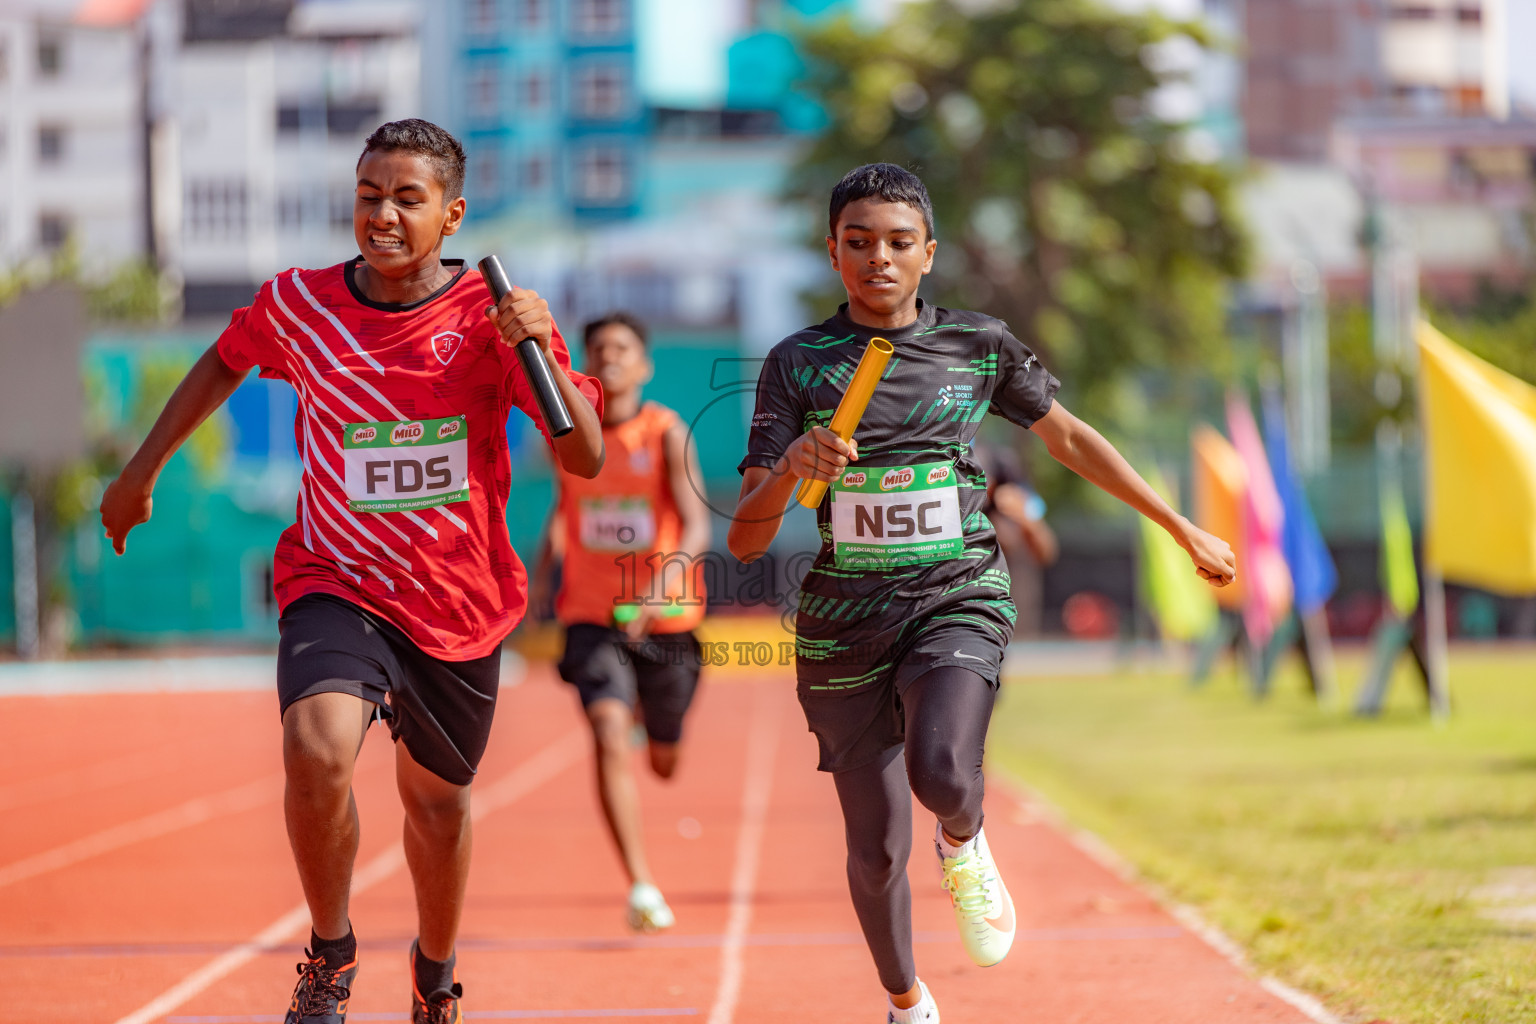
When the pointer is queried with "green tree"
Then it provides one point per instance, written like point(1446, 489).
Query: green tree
point(1064, 206)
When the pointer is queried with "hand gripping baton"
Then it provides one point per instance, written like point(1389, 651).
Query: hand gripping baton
point(557, 418)
point(851, 409)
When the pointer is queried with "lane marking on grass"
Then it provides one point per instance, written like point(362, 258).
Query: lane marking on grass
point(762, 749)
point(1031, 802)
point(516, 784)
point(173, 819)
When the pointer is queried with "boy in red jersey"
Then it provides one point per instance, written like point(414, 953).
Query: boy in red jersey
point(616, 535)
point(398, 581)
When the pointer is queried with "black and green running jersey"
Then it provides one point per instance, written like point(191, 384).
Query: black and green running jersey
point(950, 368)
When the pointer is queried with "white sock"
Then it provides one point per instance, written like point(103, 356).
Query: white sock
point(949, 850)
point(917, 1013)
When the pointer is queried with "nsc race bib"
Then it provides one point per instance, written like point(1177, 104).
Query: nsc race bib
point(886, 517)
point(407, 465)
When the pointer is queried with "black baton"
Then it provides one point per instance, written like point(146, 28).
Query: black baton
point(557, 418)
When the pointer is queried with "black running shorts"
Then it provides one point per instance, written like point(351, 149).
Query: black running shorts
point(659, 673)
point(440, 710)
point(856, 723)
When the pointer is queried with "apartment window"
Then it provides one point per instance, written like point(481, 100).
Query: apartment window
point(50, 143)
point(343, 203)
point(216, 208)
point(482, 15)
point(50, 56)
point(599, 17)
point(484, 90)
point(1414, 12)
point(535, 15)
point(600, 91)
point(535, 92)
point(485, 174)
point(52, 230)
point(535, 175)
point(602, 175)
point(1469, 15)
point(353, 117)
point(290, 210)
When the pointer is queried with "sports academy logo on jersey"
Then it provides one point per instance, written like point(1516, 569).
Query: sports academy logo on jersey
point(445, 344)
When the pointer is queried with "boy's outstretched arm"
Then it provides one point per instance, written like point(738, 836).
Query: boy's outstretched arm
point(818, 454)
point(522, 314)
point(1084, 451)
point(127, 501)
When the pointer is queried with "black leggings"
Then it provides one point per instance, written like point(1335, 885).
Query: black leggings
point(947, 712)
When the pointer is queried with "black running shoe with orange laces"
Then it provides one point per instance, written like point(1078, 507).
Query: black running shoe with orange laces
point(440, 1006)
point(322, 993)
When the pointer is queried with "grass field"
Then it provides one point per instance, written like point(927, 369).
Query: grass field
point(1375, 864)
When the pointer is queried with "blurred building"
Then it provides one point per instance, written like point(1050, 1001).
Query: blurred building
point(544, 95)
point(269, 102)
point(1308, 63)
point(73, 146)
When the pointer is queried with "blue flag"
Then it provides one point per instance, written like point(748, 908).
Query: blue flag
point(1312, 570)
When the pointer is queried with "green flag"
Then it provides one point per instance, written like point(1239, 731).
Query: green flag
point(1180, 601)
point(1399, 578)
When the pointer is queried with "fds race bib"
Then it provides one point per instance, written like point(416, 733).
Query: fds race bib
point(404, 466)
point(616, 524)
point(893, 516)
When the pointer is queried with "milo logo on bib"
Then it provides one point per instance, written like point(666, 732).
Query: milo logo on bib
point(404, 466)
point(904, 515)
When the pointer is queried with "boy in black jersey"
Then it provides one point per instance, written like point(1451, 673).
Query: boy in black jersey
point(905, 615)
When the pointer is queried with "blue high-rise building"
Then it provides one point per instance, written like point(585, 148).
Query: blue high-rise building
point(543, 93)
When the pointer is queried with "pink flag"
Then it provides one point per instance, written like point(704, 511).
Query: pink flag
point(1268, 595)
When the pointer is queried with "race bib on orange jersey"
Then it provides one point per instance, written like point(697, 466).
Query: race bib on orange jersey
point(616, 524)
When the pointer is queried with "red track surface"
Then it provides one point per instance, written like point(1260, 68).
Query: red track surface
point(143, 841)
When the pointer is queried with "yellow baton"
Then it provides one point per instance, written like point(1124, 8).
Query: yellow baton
point(851, 409)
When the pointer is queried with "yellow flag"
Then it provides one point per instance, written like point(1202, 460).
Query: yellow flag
point(1180, 601)
point(1480, 431)
point(1220, 482)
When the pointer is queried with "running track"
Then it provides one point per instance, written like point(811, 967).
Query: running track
point(145, 876)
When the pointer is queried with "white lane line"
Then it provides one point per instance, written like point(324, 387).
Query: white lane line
point(76, 781)
point(516, 784)
point(136, 675)
point(173, 819)
point(762, 748)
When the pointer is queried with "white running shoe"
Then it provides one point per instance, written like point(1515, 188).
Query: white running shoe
point(648, 911)
point(983, 908)
point(926, 1011)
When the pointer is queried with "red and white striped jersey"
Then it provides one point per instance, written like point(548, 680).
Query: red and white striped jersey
point(402, 431)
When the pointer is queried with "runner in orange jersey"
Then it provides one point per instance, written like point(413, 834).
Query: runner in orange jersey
point(629, 543)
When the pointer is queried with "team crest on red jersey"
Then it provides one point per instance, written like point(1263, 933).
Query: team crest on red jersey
point(445, 344)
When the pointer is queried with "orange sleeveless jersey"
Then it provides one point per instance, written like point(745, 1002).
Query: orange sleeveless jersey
point(617, 527)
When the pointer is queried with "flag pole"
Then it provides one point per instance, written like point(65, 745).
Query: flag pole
point(1437, 660)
